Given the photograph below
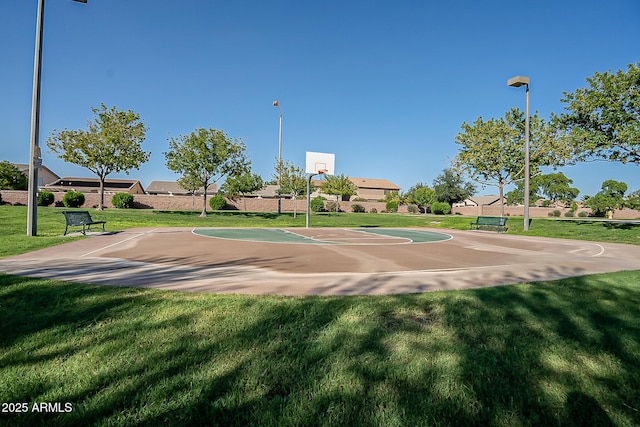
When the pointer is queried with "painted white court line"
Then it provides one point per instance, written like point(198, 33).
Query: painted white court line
point(117, 243)
point(575, 251)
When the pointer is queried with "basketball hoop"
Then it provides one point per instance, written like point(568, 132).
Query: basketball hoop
point(322, 171)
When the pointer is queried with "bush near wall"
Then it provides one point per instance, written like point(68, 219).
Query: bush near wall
point(391, 206)
point(358, 208)
point(73, 199)
point(122, 200)
point(317, 204)
point(45, 198)
point(217, 202)
point(441, 208)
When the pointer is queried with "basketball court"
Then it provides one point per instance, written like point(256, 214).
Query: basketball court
point(318, 261)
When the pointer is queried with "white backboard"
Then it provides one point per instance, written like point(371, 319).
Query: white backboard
point(320, 161)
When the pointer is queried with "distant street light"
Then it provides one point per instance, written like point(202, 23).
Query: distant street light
point(277, 104)
point(35, 158)
point(518, 81)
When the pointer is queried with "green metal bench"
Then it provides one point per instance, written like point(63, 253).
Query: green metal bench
point(80, 219)
point(499, 223)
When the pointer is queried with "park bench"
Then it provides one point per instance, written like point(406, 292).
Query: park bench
point(499, 223)
point(80, 219)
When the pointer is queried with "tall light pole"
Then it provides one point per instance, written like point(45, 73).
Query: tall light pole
point(277, 104)
point(35, 159)
point(518, 81)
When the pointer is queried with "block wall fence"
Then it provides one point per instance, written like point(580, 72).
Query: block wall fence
point(161, 202)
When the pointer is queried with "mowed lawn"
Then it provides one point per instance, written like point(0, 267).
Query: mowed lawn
point(562, 352)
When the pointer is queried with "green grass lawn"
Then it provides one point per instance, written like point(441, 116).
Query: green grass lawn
point(563, 352)
point(51, 224)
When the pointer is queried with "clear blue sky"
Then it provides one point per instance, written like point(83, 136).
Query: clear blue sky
point(383, 85)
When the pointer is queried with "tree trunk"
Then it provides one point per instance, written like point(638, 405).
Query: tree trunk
point(101, 191)
point(501, 189)
point(204, 203)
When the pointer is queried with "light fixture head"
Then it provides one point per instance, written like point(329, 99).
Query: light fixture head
point(518, 81)
point(275, 103)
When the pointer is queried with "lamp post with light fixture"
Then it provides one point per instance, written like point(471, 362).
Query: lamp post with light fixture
point(35, 158)
point(518, 81)
point(277, 104)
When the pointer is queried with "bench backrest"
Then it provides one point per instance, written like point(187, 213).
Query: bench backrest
point(492, 220)
point(77, 217)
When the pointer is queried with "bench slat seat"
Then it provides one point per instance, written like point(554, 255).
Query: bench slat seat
point(499, 223)
point(80, 219)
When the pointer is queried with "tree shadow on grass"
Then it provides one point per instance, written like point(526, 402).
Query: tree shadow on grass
point(534, 354)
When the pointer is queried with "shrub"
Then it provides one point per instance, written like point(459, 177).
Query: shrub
point(373, 210)
point(546, 203)
point(45, 198)
point(441, 208)
point(73, 199)
point(0, 198)
point(358, 208)
point(358, 199)
point(583, 214)
point(333, 206)
point(412, 209)
point(569, 214)
point(217, 202)
point(317, 204)
point(122, 200)
point(392, 206)
point(556, 212)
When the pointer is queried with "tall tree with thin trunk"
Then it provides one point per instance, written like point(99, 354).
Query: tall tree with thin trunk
point(111, 143)
point(293, 182)
point(205, 156)
point(340, 186)
point(491, 152)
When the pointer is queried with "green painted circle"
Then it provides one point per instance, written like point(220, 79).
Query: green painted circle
point(277, 235)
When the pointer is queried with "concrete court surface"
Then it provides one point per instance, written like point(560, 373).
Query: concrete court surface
point(335, 262)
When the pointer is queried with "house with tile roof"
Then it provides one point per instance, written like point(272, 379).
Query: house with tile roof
point(371, 189)
point(479, 201)
point(45, 175)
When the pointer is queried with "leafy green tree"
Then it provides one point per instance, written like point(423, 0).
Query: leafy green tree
point(12, 178)
point(602, 121)
point(450, 187)
point(205, 156)
point(420, 194)
point(609, 198)
point(633, 200)
point(492, 152)
point(557, 187)
point(294, 181)
point(516, 196)
point(340, 186)
point(242, 184)
point(111, 143)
